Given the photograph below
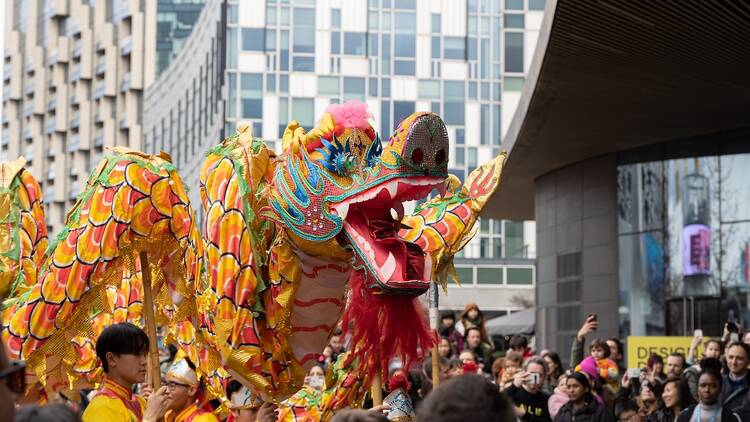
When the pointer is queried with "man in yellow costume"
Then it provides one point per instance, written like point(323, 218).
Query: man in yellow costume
point(122, 350)
point(183, 386)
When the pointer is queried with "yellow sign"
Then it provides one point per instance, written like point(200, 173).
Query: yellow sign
point(640, 348)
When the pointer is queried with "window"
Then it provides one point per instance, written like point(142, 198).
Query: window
point(402, 110)
point(354, 43)
point(251, 87)
point(514, 244)
point(454, 48)
point(429, 89)
point(328, 85)
point(270, 40)
point(405, 4)
point(303, 111)
point(335, 42)
point(472, 158)
point(460, 156)
point(465, 275)
point(511, 20)
point(513, 52)
point(232, 97)
point(536, 4)
point(373, 82)
point(513, 4)
point(404, 67)
point(304, 31)
point(460, 136)
point(435, 47)
point(520, 276)
point(335, 18)
point(405, 39)
point(354, 89)
point(303, 64)
point(252, 39)
point(489, 275)
point(484, 117)
point(435, 23)
point(453, 103)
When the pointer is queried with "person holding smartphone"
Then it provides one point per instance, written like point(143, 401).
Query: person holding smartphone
point(526, 391)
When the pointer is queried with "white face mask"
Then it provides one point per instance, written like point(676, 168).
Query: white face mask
point(316, 381)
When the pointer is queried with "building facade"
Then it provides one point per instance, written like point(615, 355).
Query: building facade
point(465, 60)
point(630, 151)
point(73, 80)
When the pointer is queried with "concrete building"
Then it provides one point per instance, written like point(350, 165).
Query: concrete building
point(464, 60)
point(73, 80)
point(631, 150)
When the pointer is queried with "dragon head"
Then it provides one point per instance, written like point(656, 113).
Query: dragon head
point(339, 192)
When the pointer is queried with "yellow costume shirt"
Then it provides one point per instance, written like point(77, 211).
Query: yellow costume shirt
point(191, 414)
point(114, 403)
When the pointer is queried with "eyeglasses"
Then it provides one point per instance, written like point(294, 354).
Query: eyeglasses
point(15, 377)
point(171, 385)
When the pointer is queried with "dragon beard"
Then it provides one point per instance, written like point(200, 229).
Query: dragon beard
point(384, 327)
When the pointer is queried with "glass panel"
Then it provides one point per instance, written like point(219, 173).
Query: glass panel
point(402, 110)
point(271, 40)
point(270, 16)
point(642, 284)
point(497, 136)
point(520, 276)
point(435, 47)
point(354, 89)
point(513, 52)
point(404, 45)
point(454, 48)
point(373, 20)
point(640, 197)
point(404, 67)
point(484, 133)
point(435, 23)
point(472, 90)
point(454, 90)
point(252, 39)
point(735, 273)
point(460, 136)
point(405, 4)
point(489, 275)
point(232, 90)
point(386, 87)
point(270, 82)
point(372, 44)
point(304, 30)
point(284, 83)
point(303, 111)
point(536, 4)
point(328, 85)
point(429, 89)
point(385, 117)
point(335, 18)
point(335, 42)
point(514, 242)
point(354, 43)
point(465, 275)
point(735, 196)
point(251, 91)
point(303, 64)
point(513, 21)
point(692, 216)
point(460, 156)
point(454, 112)
point(373, 88)
point(513, 4)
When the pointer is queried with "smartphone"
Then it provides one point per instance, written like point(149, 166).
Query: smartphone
point(698, 333)
point(732, 327)
point(533, 379)
point(634, 373)
point(316, 381)
point(594, 317)
point(734, 338)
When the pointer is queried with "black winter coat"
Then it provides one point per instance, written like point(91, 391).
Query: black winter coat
point(592, 411)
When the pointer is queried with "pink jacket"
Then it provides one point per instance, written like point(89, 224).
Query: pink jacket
point(556, 401)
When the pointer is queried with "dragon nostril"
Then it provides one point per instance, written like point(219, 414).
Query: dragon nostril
point(440, 157)
point(417, 156)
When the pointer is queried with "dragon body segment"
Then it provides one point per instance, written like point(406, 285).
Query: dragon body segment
point(292, 244)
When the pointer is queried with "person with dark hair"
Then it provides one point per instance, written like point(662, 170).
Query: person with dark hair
point(526, 391)
point(616, 353)
point(520, 344)
point(472, 317)
point(466, 398)
point(736, 383)
point(46, 413)
point(122, 350)
point(712, 349)
point(709, 407)
point(245, 406)
point(655, 369)
point(676, 364)
point(184, 386)
point(359, 415)
point(582, 407)
point(627, 411)
point(481, 349)
point(554, 370)
point(448, 331)
point(676, 397)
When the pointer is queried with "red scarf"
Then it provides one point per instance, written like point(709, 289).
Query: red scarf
point(116, 391)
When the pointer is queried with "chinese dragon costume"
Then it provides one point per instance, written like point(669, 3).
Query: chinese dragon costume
point(292, 245)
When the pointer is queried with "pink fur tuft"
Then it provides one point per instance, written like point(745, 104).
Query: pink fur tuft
point(351, 114)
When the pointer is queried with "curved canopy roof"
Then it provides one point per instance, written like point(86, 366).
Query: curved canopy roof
point(611, 75)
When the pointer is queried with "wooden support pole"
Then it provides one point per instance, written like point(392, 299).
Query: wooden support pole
point(376, 390)
point(148, 315)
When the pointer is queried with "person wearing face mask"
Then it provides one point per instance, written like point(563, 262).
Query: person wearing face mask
point(676, 398)
point(582, 407)
point(709, 408)
point(526, 391)
point(712, 349)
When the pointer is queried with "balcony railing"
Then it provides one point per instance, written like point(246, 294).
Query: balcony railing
point(126, 45)
point(123, 122)
point(77, 50)
point(29, 88)
point(50, 126)
point(99, 90)
point(52, 58)
point(72, 147)
point(75, 121)
point(51, 174)
point(52, 103)
point(28, 67)
point(28, 110)
point(75, 74)
point(125, 85)
point(7, 72)
point(101, 67)
point(28, 152)
point(99, 140)
point(27, 134)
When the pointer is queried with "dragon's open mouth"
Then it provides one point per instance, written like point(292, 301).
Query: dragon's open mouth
point(371, 223)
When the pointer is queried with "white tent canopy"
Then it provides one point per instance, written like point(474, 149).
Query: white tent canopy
point(522, 322)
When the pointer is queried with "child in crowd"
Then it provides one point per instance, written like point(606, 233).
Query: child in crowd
point(599, 364)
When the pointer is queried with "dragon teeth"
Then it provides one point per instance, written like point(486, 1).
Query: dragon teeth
point(388, 268)
point(342, 209)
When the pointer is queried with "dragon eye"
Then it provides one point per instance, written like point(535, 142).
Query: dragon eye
point(346, 163)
